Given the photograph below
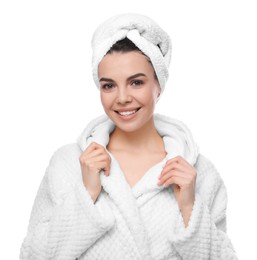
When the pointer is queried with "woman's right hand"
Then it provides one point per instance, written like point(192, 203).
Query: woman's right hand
point(92, 161)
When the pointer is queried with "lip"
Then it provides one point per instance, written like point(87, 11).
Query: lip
point(126, 118)
point(126, 109)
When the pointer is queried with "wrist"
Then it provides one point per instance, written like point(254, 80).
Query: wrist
point(186, 212)
point(186, 208)
point(93, 194)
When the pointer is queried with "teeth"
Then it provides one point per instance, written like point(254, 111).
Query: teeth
point(127, 113)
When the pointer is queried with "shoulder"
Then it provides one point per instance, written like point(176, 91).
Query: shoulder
point(66, 158)
point(68, 153)
point(63, 171)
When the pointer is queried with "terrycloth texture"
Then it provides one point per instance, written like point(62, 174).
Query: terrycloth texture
point(145, 33)
point(143, 222)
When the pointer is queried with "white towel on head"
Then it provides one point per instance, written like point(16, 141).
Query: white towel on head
point(145, 33)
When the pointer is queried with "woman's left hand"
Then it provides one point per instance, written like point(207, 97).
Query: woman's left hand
point(182, 175)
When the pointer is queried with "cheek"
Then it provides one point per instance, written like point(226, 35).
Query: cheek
point(146, 98)
point(106, 100)
point(152, 94)
point(103, 100)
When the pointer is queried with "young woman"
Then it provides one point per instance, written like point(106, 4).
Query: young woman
point(134, 186)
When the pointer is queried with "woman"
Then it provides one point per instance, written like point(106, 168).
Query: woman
point(134, 186)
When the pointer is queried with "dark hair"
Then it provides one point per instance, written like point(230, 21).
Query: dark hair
point(126, 45)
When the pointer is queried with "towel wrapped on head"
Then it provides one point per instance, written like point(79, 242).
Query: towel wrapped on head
point(145, 33)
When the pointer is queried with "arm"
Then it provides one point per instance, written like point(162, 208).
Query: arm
point(64, 220)
point(205, 237)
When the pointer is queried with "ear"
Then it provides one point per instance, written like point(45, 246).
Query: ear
point(158, 90)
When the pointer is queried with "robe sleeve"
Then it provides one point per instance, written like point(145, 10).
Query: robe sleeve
point(205, 236)
point(64, 220)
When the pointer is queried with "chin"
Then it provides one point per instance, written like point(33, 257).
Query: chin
point(131, 127)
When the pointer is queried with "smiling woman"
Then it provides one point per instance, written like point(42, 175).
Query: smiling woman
point(134, 186)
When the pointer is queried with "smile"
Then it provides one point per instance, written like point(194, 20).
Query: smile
point(127, 113)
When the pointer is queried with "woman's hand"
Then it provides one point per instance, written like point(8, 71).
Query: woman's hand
point(182, 175)
point(92, 161)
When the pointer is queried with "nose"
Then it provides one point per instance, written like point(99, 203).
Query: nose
point(123, 96)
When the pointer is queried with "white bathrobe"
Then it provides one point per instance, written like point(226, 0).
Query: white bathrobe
point(143, 222)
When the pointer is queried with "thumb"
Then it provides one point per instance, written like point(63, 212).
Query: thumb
point(107, 171)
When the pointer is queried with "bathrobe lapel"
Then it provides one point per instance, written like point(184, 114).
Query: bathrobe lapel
point(122, 196)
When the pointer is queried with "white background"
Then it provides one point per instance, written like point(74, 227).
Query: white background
point(47, 95)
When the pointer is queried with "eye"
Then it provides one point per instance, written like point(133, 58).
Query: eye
point(137, 82)
point(107, 87)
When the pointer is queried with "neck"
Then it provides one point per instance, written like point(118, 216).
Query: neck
point(145, 138)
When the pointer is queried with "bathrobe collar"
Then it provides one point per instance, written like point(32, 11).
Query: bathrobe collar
point(177, 137)
point(177, 141)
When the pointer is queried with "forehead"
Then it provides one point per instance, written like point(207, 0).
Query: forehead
point(126, 64)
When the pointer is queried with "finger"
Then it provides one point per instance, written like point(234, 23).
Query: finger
point(178, 163)
point(172, 174)
point(92, 163)
point(185, 170)
point(98, 166)
point(172, 166)
point(93, 146)
point(107, 171)
point(174, 159)
point(188, 174)
point(95, 153)
point(175, 180)
point(178, 159)
point(98, 159)
point(177, 173)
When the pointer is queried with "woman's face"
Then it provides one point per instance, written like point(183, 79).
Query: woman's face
point(129, 89)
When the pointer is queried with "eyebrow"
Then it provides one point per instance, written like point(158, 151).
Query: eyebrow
point(129, 78)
